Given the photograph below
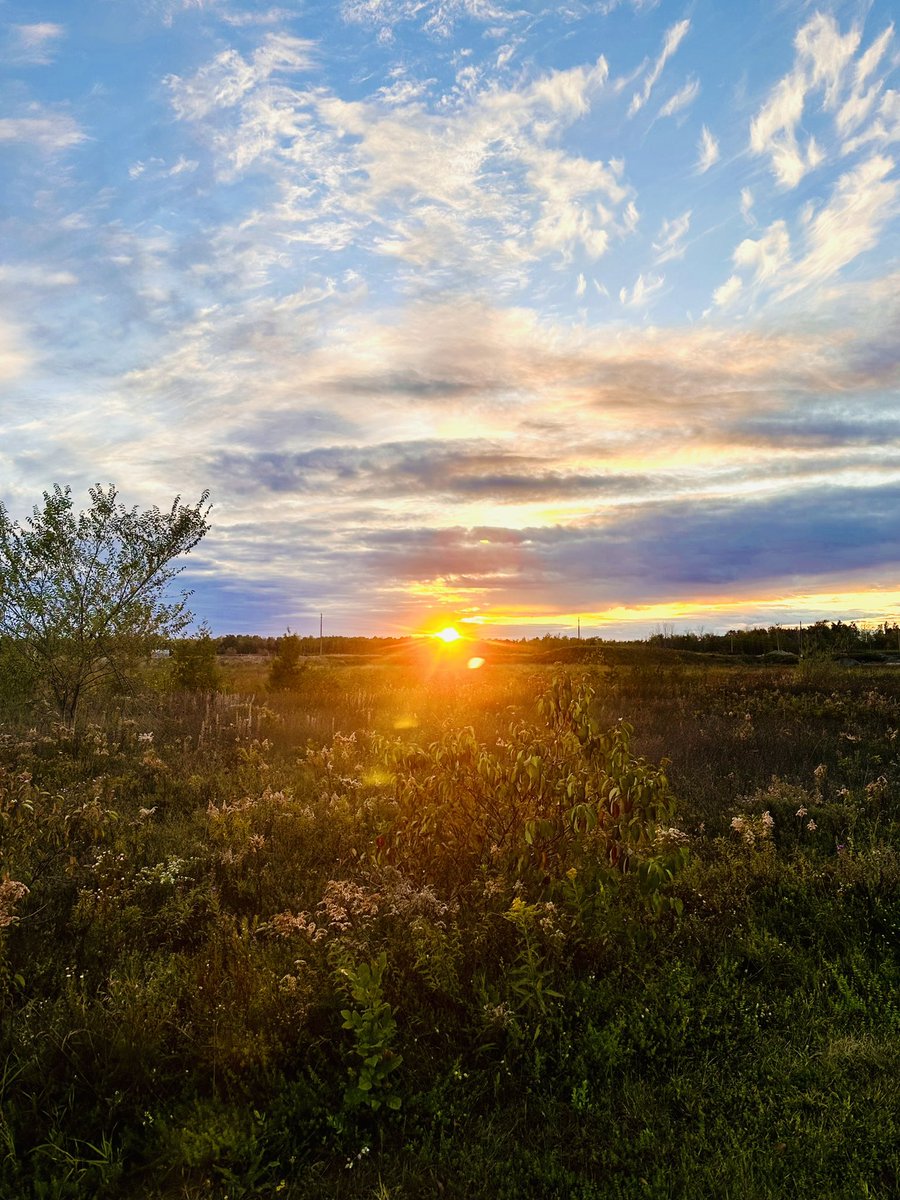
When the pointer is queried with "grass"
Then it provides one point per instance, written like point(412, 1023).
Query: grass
point(407, 932)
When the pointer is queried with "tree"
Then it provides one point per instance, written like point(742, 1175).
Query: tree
point(82, 595)
point(194, 663)
point(286, 669)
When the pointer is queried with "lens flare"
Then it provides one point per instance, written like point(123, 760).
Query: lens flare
point(474, 663)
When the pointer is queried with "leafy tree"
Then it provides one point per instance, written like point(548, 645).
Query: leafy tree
point(194, 663)
point(286, 669)
point(82, 595)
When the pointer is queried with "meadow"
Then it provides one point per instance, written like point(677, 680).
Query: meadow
point(621, 925)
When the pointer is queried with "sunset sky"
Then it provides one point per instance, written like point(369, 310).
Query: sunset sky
point(465, 308)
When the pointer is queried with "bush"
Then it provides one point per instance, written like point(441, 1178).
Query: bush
point(194, 664)
point(286, 669)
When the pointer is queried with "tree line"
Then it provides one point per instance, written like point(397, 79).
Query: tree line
point(821, 638)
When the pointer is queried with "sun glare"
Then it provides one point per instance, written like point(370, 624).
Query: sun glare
point(449, 634)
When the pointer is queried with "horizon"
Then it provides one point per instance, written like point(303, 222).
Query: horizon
point(466, 311)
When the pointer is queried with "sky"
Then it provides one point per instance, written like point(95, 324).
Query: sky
point(510, 313)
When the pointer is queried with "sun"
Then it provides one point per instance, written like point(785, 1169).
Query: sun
point(449, 634)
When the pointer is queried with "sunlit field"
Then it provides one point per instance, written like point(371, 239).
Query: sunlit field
point(457, 921)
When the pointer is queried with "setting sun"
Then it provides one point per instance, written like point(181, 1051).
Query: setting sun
point(449, 634)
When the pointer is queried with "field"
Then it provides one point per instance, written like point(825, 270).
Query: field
point(627, 927)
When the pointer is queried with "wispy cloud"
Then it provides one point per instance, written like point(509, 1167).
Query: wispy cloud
point(437, 17)
point(682, 99)
point(747, 206)
point(645, 287)
point(33, 45)
point(675, 35)
point(669, 242)
point(42, 129)
point(728, 291)
point(14, 358)
point(862, 202)
point(825, 66)
point(829, 237)
point(482, 182)
point(224, 82)
point(707, 151)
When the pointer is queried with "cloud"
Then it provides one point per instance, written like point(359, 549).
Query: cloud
point(884, 128)
point(731, 427)
point(14, 358)
point(747, 206)
point(707, 151)
point(32, 275)
point(645, 553)
point(643, 291)
point(229, 77)
point(47, 131)
point(479, 185)
point(730, 290)
point(33, 45)
point(826, 66)
point(772, 132)
point(265, 16)
point(682, 99)
point(859, 102)
point(466, 470)
point(440, 16)
point(766, 256)
point(669, 242)
point(862, 202)
point(675, 35)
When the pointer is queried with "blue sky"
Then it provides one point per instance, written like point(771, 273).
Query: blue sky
point(465, 308)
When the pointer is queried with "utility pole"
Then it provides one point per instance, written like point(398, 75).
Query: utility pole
point(320, 635)
point(579, 629)
point(800, 647)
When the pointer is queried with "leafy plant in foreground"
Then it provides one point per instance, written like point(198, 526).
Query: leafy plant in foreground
point(374, 1029)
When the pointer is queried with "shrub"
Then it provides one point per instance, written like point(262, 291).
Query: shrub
point(286, 669)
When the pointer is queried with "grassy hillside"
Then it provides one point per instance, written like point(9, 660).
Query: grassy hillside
point(411, 930)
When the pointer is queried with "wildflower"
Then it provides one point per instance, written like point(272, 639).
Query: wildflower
point(742, 826)
point(768, 820)
point(801, 811)
point(811, 826)
point(877, 789)
point(11, 892)
point(287, 924)
point(670, 837)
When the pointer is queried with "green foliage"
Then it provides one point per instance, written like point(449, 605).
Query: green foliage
point(539, 800)
point(392, 934)
point(372, 1024)
point(286, 669)
point(83, 596)
point(194, 666)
